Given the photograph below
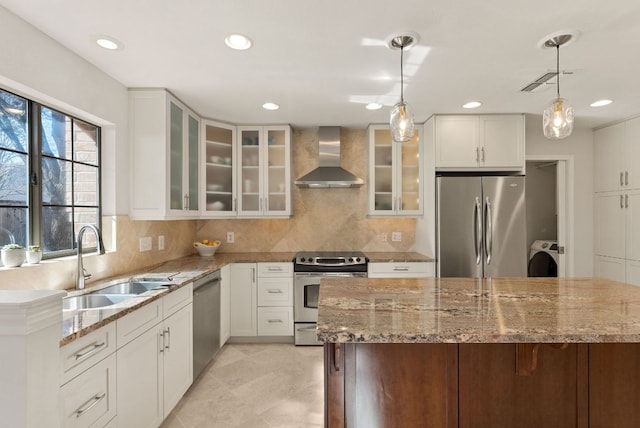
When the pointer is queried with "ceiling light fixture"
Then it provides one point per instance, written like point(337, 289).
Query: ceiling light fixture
point(270, 106)
point(557, 119)
point(401, 120)
point(238, 42)
point(108, 43)
point(373, 106)
point(472, 104)
point(601, 103)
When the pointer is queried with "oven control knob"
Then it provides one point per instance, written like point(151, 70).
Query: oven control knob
point(351, 259)
point(302, 259)
point(358, 259)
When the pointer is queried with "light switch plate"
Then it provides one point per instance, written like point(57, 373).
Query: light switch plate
point(145, 244)
point(230, 238)
point(396, 236)
point(161, 242)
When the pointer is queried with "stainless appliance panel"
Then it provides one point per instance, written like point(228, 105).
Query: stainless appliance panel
point(505, 226)
point(206, 321)
point(459, 206)
point(305, 334)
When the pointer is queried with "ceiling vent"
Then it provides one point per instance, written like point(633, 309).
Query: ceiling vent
point(539, 84)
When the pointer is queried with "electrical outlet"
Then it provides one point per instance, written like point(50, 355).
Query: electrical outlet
point(230, 238)
point(396, 236)
point(145, 244)
point(161, 242)
point(383, 237)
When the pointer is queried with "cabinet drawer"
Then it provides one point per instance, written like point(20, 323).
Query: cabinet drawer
point(275, 321)
point(401, 270)
point(177, 299)
point(275, 292)
point(89, 400)
point(275, 269)
point(137, 322)
point(84, 352)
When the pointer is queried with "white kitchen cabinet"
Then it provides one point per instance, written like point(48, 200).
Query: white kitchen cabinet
point(84, 352)
point(275, 299)
point(155, 368)
point(164, 136)
point(395, 172)
point(225, 304)
point(89, 399)
point(243, 299)
point(610, 268)
point(219, 174)
point(264, 171)
point(400, 270)
point(482, 142)
point(617, 156)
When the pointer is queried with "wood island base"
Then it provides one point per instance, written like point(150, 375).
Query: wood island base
point(482, 385)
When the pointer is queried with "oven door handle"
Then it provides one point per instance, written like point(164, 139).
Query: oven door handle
point(330, 274)
point(303, 329)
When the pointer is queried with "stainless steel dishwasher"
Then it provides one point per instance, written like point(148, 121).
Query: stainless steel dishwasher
point(206, 320)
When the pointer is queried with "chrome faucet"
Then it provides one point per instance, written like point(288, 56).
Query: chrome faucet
point(81, 274)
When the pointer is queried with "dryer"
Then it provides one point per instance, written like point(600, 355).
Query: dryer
point(543, 258)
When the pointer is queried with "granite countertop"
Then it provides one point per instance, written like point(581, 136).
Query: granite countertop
point(468, 310)
point(184, 270)
point(391, 257)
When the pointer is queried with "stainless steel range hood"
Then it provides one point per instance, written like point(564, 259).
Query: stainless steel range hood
point(329, 174)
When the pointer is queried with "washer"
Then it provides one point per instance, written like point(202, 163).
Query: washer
point(543, 258)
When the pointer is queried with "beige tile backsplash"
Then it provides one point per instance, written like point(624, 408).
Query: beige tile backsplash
point(323, 219)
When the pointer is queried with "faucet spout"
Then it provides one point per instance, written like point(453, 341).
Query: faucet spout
point(81, 273)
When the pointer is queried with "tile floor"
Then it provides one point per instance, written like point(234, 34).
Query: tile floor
point(255, 386)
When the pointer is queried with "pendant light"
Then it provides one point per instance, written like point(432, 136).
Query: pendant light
point(557, 119)
point(401, 121)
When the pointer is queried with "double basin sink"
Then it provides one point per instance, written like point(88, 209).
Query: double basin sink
point(112, 295)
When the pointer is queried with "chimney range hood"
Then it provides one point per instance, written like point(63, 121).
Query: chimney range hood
point(329, 174)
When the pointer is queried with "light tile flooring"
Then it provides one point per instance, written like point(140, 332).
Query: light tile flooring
point(256, 386)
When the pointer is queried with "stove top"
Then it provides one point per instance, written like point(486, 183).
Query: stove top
point(334, 261)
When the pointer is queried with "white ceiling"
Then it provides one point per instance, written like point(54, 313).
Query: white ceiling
point(322, 61)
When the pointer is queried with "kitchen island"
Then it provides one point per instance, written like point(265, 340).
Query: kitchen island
point(463, 352)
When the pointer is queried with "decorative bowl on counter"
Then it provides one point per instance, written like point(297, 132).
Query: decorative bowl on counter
point(206, 248)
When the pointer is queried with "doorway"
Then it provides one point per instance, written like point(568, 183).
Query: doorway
point(549, 210)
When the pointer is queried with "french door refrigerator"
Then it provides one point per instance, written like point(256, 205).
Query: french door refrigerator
point(480, 226)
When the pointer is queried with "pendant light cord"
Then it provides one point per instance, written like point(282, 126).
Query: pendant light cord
point(401, 74)
point(558, 67)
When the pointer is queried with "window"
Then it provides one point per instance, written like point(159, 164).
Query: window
point(49, 176)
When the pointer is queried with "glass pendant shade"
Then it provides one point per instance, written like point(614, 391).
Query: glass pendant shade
point(401, 123)
point(557, 120)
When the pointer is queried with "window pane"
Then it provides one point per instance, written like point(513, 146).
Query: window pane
point(86, 185)
point(13, 178)
point(57, 228)
point(56, 133)
point(13, 122)
point(56, 182)
point(13, 226)
point(85, 142)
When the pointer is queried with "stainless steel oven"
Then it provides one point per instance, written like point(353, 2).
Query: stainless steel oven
point(309, 268)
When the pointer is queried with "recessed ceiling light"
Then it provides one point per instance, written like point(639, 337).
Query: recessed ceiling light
point(270, 106)
point(601, 103)
point(373, 106)
point(238, 41)
point(108, 43)
point(472, 104)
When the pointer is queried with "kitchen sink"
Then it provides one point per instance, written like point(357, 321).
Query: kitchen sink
point(132, 287)
point(93, 301)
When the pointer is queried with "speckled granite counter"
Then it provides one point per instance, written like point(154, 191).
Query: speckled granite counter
point(466, 310)
point(390, 257)
point(78, 323)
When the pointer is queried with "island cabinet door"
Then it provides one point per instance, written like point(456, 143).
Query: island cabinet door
point(392, 385)
point(523, 385)
point(614, 385)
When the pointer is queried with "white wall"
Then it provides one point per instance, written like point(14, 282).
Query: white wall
point(580, 146)
point(36, 66)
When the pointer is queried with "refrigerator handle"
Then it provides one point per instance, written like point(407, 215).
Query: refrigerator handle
point(477, 230)
point(488, 240)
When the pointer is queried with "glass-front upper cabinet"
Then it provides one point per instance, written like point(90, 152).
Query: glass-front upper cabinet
point(264, 179)
point(395, 172)
point(184, 137)
point(219, 169)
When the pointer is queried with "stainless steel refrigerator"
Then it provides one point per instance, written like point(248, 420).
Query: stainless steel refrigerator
point(481, 226)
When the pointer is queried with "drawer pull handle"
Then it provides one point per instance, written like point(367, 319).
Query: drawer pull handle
point(90, 403)
point(85, 352)
point(401, 269)
point(274, 269)
point(274, 320)
point(274, 291)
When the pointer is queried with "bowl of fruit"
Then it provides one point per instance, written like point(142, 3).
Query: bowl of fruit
point(206, 247)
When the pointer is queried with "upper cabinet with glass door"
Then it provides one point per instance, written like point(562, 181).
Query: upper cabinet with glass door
point(395, 174)
point(219, 170)
point(165, 137)
point(264, 176)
